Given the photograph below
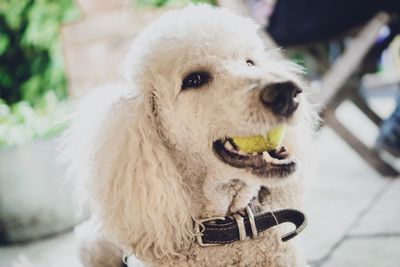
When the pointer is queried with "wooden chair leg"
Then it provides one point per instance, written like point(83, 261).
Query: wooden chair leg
point(360, 102)
point(368, 154)
point(351, 58)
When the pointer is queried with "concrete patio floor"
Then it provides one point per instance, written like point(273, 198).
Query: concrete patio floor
point(353, 212)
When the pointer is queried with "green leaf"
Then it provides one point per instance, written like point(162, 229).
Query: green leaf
point(31, 61)
point(13, 12)
point(4, 42)
point(23, 122)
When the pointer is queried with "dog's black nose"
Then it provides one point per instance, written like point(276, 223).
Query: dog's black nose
point(281, 98)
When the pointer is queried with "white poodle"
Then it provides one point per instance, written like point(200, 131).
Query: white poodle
point(155, 152)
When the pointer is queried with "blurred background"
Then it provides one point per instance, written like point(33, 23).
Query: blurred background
point(52, 52)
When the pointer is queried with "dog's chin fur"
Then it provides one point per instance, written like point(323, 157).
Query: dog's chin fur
point(141, 149)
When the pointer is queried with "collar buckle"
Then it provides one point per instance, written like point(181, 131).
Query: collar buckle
point(199, 233)
point(239, 221)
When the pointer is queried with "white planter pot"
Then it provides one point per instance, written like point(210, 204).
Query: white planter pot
point(35, 199)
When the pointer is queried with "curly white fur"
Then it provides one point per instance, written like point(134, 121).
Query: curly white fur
point(142, 148)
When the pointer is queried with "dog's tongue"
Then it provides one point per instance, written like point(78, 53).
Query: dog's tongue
point(259, 143)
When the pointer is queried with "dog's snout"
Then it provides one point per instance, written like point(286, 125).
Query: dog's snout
point(281, 98)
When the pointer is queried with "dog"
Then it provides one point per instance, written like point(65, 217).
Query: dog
point(153, 153)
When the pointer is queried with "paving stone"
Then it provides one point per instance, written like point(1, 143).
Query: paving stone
point(342, 187)
point(367, 252)
point(383, 217)
point(357, 123)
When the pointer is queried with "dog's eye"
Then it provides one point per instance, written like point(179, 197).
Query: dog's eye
point(195, 80)
point(250, 62)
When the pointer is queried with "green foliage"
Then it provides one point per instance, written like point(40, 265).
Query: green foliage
point(163, 3)
point(32, 76)
point(297, 57)
point(30, 54)
point(23, 122)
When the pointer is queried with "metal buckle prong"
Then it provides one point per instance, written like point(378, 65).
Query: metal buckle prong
point(198, 232)
point(252, 222)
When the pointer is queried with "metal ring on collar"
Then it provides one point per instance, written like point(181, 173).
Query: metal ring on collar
point(252, 222)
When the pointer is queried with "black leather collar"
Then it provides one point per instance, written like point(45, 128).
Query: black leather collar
point(230, 229)
point(225, 230)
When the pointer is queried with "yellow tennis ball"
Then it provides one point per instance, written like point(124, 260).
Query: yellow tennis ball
point(259, 143)
point(275, 137)
point(251, 144)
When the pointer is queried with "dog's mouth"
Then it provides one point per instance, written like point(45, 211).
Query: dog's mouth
point(276, 163)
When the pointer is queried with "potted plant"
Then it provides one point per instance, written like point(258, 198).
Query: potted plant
point(34, 199)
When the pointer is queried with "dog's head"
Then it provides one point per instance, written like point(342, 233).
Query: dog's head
point(203, 76)
point(208, 77)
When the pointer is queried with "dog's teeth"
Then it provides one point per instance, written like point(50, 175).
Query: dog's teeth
point(267, 157)
point(242, 153)
point(228, 146)
point(284, 161)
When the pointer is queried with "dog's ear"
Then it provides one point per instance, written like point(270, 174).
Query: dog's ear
point(134, 187)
